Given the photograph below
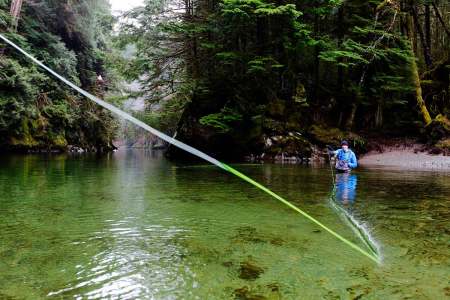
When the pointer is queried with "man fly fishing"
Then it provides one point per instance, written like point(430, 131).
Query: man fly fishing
point(345, 158)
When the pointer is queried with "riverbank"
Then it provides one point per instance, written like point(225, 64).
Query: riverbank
point(412, 157)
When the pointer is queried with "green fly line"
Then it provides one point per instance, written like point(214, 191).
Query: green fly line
point(359, 229)
point(188, 148)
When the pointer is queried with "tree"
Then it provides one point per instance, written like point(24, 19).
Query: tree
point(16, 6)
point(35, 111)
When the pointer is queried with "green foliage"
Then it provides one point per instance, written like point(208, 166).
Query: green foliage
point(227, 57)
point(263, 64)
point(343, 58)
point(225, 64)
point(223, 121)
point(36, 111)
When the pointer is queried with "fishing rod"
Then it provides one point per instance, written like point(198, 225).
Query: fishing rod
point(189, 149)
point(331, 169)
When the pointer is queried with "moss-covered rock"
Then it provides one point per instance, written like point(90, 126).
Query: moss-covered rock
point(272, 125)
point(291, 145)
point(25, 139)
point(300, 96)
point(438, 129)
point(276, 108)
point(322, 136)
point(59, 141)
point(444, 146)
point(326, 135)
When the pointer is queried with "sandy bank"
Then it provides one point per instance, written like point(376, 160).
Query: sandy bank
point(406, 158)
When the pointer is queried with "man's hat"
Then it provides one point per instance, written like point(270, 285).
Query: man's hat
point(344, 142)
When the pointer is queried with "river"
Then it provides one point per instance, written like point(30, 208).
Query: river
point(133, 225)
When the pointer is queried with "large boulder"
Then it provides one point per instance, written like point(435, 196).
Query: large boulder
point(438, 129)
point(444, 146)
point(292, 146)
point(322, 136)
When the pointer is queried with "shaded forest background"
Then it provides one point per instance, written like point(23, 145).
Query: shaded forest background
point(234, 77)
point(73, 38)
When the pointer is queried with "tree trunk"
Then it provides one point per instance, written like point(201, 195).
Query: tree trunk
point(191, 43)
point(415, 73)
point(316, 69)
point(16, 7)
point(439, 16)
point(426, 50)
point(340, 69)
point(428, 27)
point(351, 117)
point(379, 116)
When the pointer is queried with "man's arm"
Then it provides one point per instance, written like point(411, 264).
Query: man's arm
point(353, 163)
point(331, 151)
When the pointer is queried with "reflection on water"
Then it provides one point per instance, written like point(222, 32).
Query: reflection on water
point(132, 225)
point(346, 187)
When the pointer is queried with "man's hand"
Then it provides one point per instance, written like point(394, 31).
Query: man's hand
point(330, 150)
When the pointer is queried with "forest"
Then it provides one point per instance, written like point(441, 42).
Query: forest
point(232, 77)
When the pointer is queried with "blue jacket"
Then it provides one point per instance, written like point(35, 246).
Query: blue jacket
point(348, 156)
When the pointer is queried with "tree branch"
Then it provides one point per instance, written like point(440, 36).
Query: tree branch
point(438, 14)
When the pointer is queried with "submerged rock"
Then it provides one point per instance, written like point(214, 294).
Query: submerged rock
point(247, 234)
point(250, 271)
point(259, 292)
point(227, 264)
point(277, 241)
point(244, 293)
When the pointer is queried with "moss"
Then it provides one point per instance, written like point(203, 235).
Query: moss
point(59, 141)
point(438, 129)
point(300, 97)
point(326, 135)
point(444, 121)
point(444, 145)
point(25, 140)
point(294, 122)
point(293, 144)
point(33, 136)
point(276, 108)
point(272, 125)
point(334, 136)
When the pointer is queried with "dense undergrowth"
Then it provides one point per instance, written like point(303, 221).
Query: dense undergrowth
point(36, 111)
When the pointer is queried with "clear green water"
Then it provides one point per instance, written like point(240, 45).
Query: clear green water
point(134, 226)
